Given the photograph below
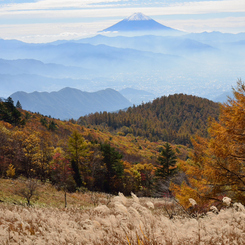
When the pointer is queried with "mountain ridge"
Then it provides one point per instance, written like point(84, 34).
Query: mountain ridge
point(169, 65)
point(174, 118)
point(70, 103)
point(150, 43)
point(33, 66)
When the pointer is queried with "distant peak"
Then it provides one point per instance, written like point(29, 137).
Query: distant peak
point(137, 16)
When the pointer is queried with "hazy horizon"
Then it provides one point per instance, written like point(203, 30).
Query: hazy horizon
point(204, 64)
point(40, 21)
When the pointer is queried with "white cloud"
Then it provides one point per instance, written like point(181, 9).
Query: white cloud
point(46, 32)
point(43, 9)
point(176, 8)
point(53, 4)
point(225, 6)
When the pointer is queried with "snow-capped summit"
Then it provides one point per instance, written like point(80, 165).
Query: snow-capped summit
point(137, 16)
point(138, 24)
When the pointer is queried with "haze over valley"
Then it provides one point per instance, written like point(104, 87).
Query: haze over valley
point(137, 53)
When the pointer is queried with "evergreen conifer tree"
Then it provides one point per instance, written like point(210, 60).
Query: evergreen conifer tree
point(18, 105)
point(115, 168)
point(9, 113)
point(167, 161)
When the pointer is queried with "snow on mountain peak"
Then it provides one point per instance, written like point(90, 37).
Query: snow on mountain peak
point(138, 16)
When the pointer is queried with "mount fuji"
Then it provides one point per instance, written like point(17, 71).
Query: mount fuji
point(139, 22)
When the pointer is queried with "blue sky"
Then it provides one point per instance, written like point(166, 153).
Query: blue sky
point(50, 20)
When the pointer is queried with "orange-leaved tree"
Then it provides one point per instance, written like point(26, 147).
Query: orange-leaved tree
point(217, 166)
point(61, 172)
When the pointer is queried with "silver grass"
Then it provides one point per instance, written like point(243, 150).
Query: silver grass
point(122, 221)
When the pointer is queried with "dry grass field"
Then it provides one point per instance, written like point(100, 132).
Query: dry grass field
point(96, 218)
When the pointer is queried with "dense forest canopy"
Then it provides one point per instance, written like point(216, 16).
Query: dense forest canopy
point(74, 157)
point(174, 118)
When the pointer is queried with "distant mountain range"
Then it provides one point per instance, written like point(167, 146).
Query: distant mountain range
point(150, 43)
point(31, 66)
point(32, 82)
point(201, 64)
point(92, 59)
point(71, 103)
point(223, 97)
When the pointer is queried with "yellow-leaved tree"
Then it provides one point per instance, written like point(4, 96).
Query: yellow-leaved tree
point(216, 167)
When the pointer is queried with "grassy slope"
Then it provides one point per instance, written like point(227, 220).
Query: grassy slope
point(48, 195)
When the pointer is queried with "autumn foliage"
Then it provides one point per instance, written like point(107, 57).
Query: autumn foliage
point(174, 118)
point(216, 167)
point(77, 158)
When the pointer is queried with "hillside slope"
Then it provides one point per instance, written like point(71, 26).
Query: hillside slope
point(174, 118)
point(35, 146)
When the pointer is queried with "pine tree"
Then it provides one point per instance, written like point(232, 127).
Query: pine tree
point(9, 113)
point(114, 166)
point(167, 161)
point(18, 105)
point(9, 103)
point(52, 125)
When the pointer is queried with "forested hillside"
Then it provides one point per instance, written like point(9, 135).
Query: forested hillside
point(174, 119)
point(72, 157)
